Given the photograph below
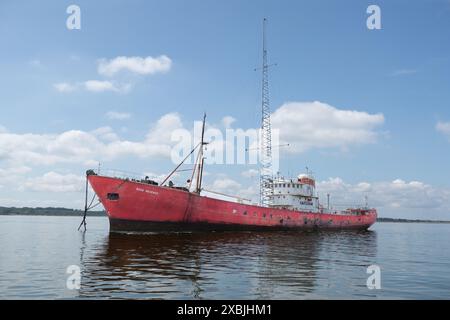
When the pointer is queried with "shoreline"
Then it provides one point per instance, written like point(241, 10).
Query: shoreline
point(65, 212)
point(400, 220)
point(49, 211)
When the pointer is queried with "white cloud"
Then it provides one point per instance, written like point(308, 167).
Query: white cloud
point(14, 171)
point(251, 173)
point(55, 182)
point(76, 146)
point(160, 177)
point(158, 141)
point(231, 188)
point(93, 86)
point(138, 65)
point(307, 125)
point(114, 115)
point(225, 185)
point(228, 121)
point(162, 130)
point(403, 72)
point(74, 57)
point(397, 198)
point(11, 176)
point(444, 128)
point(3, 129)
point(36, 63)
point(98, 86)
point(65, 87)
point(102, 86)
point(105, 134)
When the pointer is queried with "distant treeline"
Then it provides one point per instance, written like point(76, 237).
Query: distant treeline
point(410, 220)
point(46, 212)
point(5, 211)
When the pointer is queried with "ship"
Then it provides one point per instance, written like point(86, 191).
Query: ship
point(134, 204)
point(143, 204)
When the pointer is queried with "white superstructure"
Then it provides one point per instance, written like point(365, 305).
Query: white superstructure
point(295, 194)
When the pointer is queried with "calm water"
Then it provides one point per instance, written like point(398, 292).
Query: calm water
point(36, 251)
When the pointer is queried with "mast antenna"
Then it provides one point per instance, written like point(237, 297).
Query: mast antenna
point(201, 159)
point(266, 174)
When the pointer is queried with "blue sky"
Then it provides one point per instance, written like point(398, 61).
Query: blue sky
point(324, 53)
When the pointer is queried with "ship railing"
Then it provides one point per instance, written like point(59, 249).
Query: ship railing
point(121, 174)
point(348, 209)
point(235, 198)
point(348, 206)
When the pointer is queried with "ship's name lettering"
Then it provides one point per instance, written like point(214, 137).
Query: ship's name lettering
point(147, 191)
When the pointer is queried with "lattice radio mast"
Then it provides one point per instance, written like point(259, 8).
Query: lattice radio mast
point(266, 174)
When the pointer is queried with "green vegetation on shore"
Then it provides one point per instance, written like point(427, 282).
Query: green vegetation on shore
point(410, 220)
point(63, 212)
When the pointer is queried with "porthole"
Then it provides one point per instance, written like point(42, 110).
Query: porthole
point(112, 196)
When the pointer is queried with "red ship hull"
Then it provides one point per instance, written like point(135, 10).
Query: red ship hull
point(136, 206)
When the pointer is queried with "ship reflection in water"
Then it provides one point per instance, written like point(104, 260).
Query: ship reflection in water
point(245, 265)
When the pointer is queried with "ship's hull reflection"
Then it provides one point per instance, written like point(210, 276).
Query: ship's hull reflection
point(215, 265)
